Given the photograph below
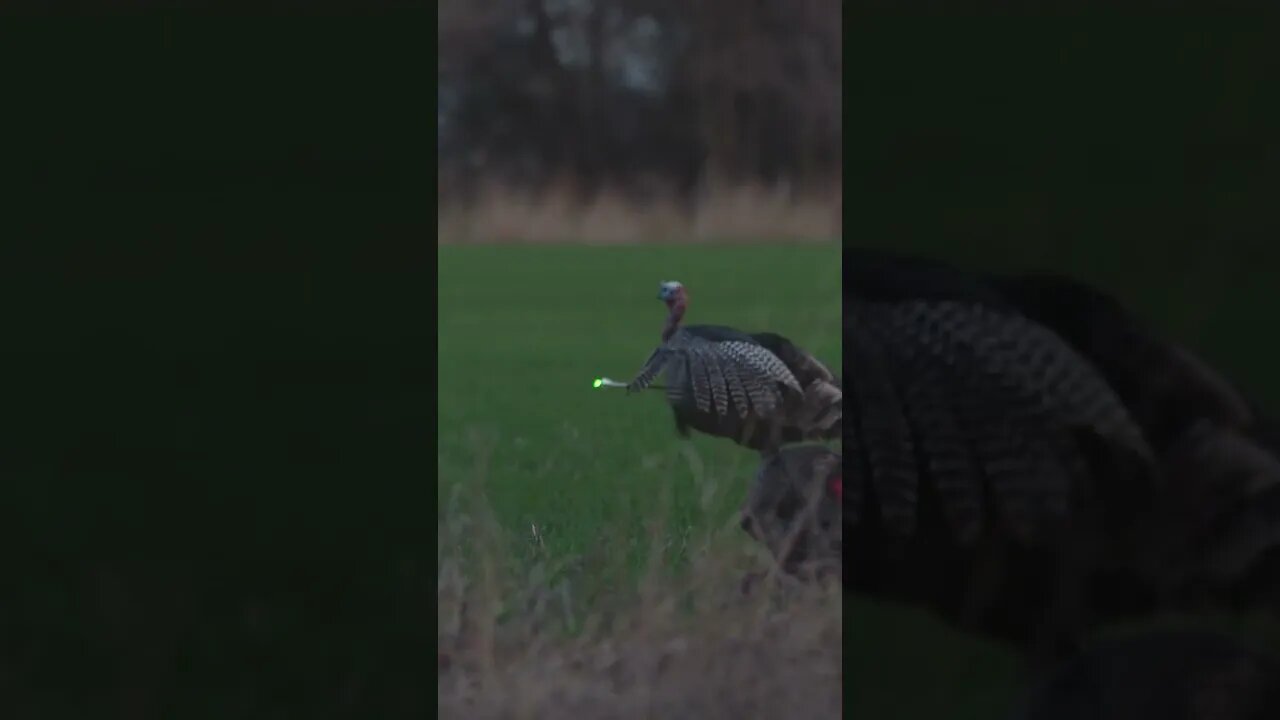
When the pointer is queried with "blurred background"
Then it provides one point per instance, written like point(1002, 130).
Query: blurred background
point(629, 120)
point(1136, 155)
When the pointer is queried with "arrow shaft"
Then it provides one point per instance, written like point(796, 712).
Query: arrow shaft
point(608, 382)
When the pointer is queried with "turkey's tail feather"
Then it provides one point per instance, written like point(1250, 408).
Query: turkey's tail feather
point(760, 391)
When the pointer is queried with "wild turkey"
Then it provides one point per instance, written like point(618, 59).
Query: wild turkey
point(759, 390)
point(1028, 460)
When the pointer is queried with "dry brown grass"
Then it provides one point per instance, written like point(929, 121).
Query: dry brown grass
point(676, 644)
point(740, 213)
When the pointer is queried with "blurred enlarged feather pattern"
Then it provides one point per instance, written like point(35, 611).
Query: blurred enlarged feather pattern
point(884, 433)
point(1030, 460)
point(974, 402)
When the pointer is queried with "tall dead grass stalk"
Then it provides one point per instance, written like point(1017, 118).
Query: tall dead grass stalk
point(514, 641)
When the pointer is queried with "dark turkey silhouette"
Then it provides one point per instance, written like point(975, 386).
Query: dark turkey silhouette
point(1026, 458)
point(759, 390)
point(1161, 675)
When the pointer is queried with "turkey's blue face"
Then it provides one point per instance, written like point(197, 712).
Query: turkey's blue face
point(670, 291)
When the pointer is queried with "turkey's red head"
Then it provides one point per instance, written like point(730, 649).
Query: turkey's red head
point(672, 293)
point(677, 299)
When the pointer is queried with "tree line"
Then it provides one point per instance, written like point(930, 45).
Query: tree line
point(635, 95)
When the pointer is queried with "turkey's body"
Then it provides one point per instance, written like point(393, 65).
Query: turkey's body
point(1024, 458)
point(759, 390)
point(741, 389)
